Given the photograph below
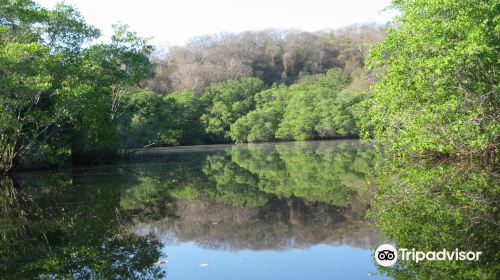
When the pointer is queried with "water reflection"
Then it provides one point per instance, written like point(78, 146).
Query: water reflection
point(271, 196)
point(263, 203)
point(435, 206)
point(62, 233)
point(111, 222)
point(278, 225)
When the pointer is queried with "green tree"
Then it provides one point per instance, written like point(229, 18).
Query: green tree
point(315, 110)
point(58, 89)
point(438, 88)
point(187, 111)
point(148, 120)
point(261, 124)
point(228, 102)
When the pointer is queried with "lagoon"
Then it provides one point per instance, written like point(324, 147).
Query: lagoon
point(288, 210)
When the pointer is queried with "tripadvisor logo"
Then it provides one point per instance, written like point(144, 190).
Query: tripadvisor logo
point(387, 255)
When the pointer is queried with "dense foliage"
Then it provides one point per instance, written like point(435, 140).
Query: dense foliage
point(261, 124)
point(59, 91)
point(438, 92)
point(317, 107)
point(229, 102)
point(64, 96)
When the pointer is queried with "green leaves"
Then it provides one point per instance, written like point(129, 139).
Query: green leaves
point(65, 30)
point(438, 80)
point(311, 109)
point(229, 101)
point(57, 86)
point(261, 124)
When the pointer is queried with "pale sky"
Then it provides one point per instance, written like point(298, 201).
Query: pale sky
point(172, 22)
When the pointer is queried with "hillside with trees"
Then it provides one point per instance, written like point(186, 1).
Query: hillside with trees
point(274, 56)
point(68, 97)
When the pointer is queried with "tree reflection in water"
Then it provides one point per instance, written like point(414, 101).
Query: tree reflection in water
point(62, 233)
point(110, 222)
point(94, 222)
point(438, 206)
point(273, 196)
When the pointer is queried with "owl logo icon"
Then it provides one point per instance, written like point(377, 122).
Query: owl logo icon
point(386, 255)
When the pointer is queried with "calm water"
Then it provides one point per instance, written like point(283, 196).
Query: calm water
point(262, 211)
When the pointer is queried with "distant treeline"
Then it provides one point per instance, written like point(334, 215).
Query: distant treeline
point(274, 56)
